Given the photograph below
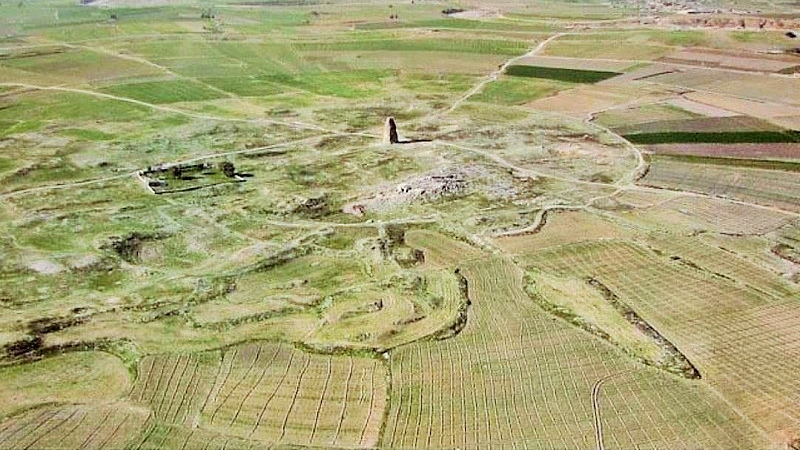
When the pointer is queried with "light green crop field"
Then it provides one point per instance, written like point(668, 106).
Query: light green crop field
point(207, 241)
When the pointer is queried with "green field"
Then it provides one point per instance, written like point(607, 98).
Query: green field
point(568, 75)
point(722, 137)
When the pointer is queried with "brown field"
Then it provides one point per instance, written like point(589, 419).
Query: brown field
point(767, 187)
point(586, 99)
point(719, 216)
point(699, 125)
point(752, 86)
point(756, 151)
point(711, 58)
point(516, 376)
point(740, 324)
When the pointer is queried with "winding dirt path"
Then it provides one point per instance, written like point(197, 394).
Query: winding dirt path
point(598, 424)
point(492, 77)
point(169, 109)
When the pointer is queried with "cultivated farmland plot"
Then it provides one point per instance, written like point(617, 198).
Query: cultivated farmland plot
point(270, 393)
point(584, 236)
point(767, 187)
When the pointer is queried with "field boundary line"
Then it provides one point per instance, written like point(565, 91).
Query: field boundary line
point(598, 425)
point(169, 109)
point(494, 75)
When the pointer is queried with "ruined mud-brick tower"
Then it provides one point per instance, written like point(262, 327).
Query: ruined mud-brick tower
point(390, 131)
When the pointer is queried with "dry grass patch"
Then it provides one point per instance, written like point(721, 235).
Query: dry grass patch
point(80, 377)
point(268, 392)
point(719, 216)
point(562, 228)
point(111, 426)
point(516, 376)
point(722, 326)
point(586, 99)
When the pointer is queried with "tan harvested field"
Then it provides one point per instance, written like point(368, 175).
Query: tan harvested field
point(702, 109)
point(561, 228)
point(270, 393)
point(110, 426)
point(747, 321)
point(755, 151)
point(587, 99)
point(642, 114)
point(727, 263)
point(713, 215)
point(73, 377)
point(750, 86)
point(515, 376)
point(767, 187)
point(158, 436)
point(706, 58)
point(426, 62)
point(755, 108)
point(606, 50)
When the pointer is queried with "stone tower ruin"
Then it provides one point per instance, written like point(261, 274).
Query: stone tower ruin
point(390, 131)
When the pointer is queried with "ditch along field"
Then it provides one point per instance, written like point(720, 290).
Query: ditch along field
point(205, 244)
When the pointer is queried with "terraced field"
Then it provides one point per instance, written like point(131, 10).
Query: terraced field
point(89, 427)
point(269, 393)
point(747, 321)
point(766, 187)
point(516, 376)
point(585, 234)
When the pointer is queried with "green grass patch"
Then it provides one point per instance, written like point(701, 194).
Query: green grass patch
point(457, 24)
point(9, 127)
point(559, 74)
point(731, 137)
point(244, 86)
point(159, 92)
point(351, 84)
point(480, 46)
point(787, 166)
point(517, 91)
point(87, 135)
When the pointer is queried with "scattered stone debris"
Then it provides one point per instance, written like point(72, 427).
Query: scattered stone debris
point(444, 182)
point(129, 247)
point(171, 178)
point(313, 207)
point(45, 267)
